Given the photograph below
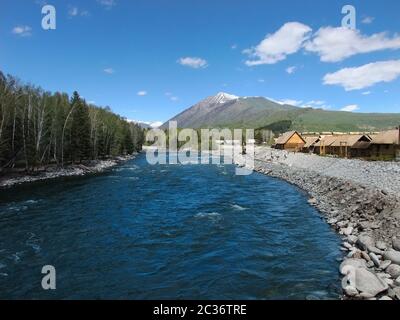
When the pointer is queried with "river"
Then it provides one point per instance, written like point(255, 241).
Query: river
point(166, 232)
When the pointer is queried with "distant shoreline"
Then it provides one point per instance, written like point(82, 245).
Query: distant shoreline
point(51, 172)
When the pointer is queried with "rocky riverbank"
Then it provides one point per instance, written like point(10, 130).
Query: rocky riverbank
point(360, 200)
point(10, 179)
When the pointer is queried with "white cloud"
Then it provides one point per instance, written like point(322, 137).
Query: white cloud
point(23, 31)
point(364, 76)
point(153, 124)
point(291, 102)
point(173, 98)
point(291, 70)
point(108, 4)
point(261, 80)
point(277, 46)
point(367, 20)
point(156, 124)
point(234, 46)
point(193, 62)
point(142, 93)
point(75, 11)
point(366, 93)
point(109, 70)
point(337, 44)
point(350, 108)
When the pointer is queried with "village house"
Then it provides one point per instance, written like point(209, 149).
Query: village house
point(311, 141)
point(291, 141)
point(345, 146)
point(386, 145)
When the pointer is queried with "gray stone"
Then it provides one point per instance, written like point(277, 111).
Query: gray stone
point(347, 245)
point(369, 283)
point(350, 291)
point(396, 244)
point(347, 264)
point(381, 245)
point(365, 256)
point(375, 250)
point(397, 281)
point(385, 298)
point(385, 264)
point(392, 255)
point(374, 259)
point(397, 292)
point(348, 231)
point(393, 270)
point(352, 239)
point(313, 201)
point(364, 242)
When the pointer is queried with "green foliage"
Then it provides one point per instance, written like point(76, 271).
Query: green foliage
point(38, 128)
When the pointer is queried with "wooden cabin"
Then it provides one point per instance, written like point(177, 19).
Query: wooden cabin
point(291, 141)
point(345, 146)
point(309, 147)
point(386, 145)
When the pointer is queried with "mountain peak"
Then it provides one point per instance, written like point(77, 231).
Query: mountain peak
point(221, 97)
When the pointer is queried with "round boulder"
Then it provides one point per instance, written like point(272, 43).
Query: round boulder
point(393, 256)
point(393, 270)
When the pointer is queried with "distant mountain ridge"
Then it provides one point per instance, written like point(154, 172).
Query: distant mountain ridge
point(227, 110)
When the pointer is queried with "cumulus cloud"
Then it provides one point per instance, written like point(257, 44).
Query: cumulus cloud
point(108, 4)
point(350, 108)
point(364, 76)
point(367, 20)
point(291, 70)
point(277, 46)
point(337, 44)
point(75, 11)
point(193, 62)
point(109, 70)
point(142, 93)
point(23, 31)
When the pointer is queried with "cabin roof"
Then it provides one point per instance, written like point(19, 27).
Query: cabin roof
point(387, 137)
point(284, 138)
point(310, 141)
point(349, 140)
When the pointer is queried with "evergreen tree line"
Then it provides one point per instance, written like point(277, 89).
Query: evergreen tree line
point(38, 128)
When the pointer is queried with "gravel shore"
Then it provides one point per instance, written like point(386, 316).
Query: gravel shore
point(361, 201)
point(52, 172)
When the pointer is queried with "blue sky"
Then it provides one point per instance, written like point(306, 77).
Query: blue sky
point(149, 60)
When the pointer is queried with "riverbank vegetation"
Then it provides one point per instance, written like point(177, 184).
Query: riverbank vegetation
point(39, 128)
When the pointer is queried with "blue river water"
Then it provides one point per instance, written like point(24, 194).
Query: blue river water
point(166, 232)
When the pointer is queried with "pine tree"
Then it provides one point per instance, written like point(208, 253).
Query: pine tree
point(80, 129)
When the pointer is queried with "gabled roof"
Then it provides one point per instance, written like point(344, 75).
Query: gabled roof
point(284, 138)
point(348, 140)
point(387, 137)
point(310, 141)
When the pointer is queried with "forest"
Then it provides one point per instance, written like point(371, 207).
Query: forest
point(38, 128)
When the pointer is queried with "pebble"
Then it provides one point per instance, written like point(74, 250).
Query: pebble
point(385, 264)
point(396, 244)
point(365, 241)
point(375, 259)
point(381, 245)
point(393, 270)
point(393, 255)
